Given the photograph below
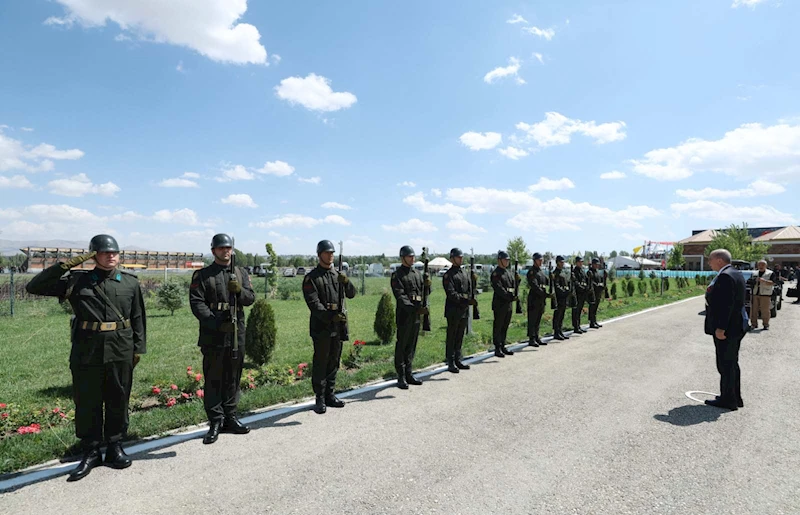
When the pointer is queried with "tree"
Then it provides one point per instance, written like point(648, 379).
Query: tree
point(384, 319)
point(676, 260)
point(298, 261)
point(517, 249)
point(738, 241)
point(549, 257)
point(272, 270)
point(630, 288)
point(613, 254)
point(170, 296)
point(261, 335)
point(624, 253)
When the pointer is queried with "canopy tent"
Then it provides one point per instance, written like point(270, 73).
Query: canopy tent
point(439, 263)
point(633, 263)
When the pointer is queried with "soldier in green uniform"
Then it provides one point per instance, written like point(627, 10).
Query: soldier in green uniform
point(582, 292)
point(561, 290)
point(597, 286)
point(108, 338)
point(217, 296)
point(537, 300)
point(407, 286)
point(322, 289)
point(457, 287)
point(504, 286)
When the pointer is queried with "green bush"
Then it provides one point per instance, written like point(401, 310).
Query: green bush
point(170, 296)
point(66, 307)
point(642, 286)
point(665, 282)
point(261, 335)
point(652, 274)
point(641, 274)
point(384, 319)
point(276, 374)
point(614, 290)
point(655, 286)
point(630, 288)
point(288, 290)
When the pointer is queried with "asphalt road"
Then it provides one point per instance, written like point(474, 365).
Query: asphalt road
point(597, 424)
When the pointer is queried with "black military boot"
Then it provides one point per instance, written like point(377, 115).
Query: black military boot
point(506, 351)
point(564, 335)
point(333, 401)
point(452, 368)
point(116, 457)
point(557, 336)
point(401, 382)
point(498, 352)
point(320, 407)
point(410, 379)
point(533, 342)
point(91, 459)
point(540, 341)
point(460, 365)
point(213, 432)
point(233, 426)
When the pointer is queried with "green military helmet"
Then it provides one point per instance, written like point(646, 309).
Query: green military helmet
point(325, 246)
point(595, 261)
point(578, 259)
point(407, 250)
point(103, 243)
point(502, 254)
point(536, 256)
point(456, 252)
point(560, 259)
point(221, 240)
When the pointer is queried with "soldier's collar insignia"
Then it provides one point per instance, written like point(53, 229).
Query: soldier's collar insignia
point(119, 277)
point(94, 276)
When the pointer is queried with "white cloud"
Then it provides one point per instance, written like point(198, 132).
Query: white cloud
point(190, 175)
point(546, 184)
point(414, 225)
point(504, 71)
point(314, 93)
point(276, 59)
point(458, 223)
point(9, 214)
point(516, 19)
point(237, 173)
point(279, 168)
point(481, 140)
point(208, 27)
point(407, 184)
point(759, 188)
point(119, 37)
point(418, 201)
point(539, 57)
point(542, 33)
point(14, 155)
point(26, 129)
point(724, 212)
point(746, 3)
point(178, 183)
point(239, 200)
point(300, 221)
point(80, 185)
point(436, 192)
point(310, 180)
point(335, 205)
point(513, 152)
point(616, 174)
point(15, 182)
point(464, 237)
point(557, 129)
point(638, 237)
point(751, 150)
point(179, 68)
point(183, 216)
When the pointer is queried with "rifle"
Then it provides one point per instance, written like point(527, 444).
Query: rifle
point(473, 290)
point(605, 285)
point(572, 299)
point(344, 334)
point(234, 311)
point(516, 285)
point(553, 304)
point(426, 319)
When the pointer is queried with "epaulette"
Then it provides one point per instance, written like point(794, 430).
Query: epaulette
point(126, 272)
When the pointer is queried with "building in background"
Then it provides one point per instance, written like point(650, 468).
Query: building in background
point(39, 258)
point(784, 246)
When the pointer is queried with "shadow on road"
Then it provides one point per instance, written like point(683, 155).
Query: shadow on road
point(371, 396)
point(690, 415)
point(276, 421)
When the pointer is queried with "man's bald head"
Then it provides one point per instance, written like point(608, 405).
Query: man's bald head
point(718, 259)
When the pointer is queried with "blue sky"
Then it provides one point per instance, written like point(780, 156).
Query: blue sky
point(385, 123)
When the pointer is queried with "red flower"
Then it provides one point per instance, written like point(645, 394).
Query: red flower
point(200, 393)
point(35, 427)
point(291, 371)
point(299, 373)
point(171, 402)
point(56, 410)
point(173, 387)
point(198, 377)
point(189, 369)
point(185, 395)
point(4, 415)
point(2, 405)
point(302, 366)
point(63, 415)
point(252, 386)
point(156, 390)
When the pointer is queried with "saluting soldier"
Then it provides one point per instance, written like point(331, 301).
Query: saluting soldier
point(561, 290)
point(596, 284)
point(327, 325)
point(218, 296)
point(537, 300)
point(582, 292)
point(408, 286)
point(504, 286)
point(108, 338)
point(457, 286)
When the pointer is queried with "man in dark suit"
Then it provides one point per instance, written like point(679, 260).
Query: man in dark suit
point(725, 322)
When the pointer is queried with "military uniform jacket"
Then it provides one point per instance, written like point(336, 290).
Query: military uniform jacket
point(407, 286)
point(537, 283)
point(457, 286)
point(80, 288)
point(321, 291)
point(560, 285)
point(581, 280)
point(211, 304)
point(596, 280)
point(503, 285)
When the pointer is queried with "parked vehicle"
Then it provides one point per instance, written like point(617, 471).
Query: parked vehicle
point(300, 270)
point(289, 272)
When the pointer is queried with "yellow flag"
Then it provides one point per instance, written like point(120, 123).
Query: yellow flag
point(637, 249)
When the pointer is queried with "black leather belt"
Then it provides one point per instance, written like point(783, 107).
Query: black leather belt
point(102, 327)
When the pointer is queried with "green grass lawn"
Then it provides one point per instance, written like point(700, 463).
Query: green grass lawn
point(34, 351)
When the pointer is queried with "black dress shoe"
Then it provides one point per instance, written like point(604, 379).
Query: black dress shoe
point(213, 432)
point(533, 343)
point(541, 342)
point(116, 457)
point(506, 351)
point(461, 366)
point(333, 401)
point(564, 336)
point(410, 379)
point(558, 337)
point(319, 407)
point(90, 460)
point(452, 368)
point(498, 352)
point(233, 426)
point(739, 403)
point(597, 326)
point(719, 404)
point(401, 383)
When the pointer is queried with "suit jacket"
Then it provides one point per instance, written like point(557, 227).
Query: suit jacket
point(724, 302)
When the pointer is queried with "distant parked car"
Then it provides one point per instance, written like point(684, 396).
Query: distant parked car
point(441, 272)
point(301, 270)
point(289, 272)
